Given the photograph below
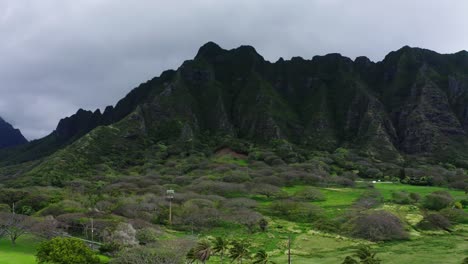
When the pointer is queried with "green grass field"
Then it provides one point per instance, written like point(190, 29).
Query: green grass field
point(22, 252)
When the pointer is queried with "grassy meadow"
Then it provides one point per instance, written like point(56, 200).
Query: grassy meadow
point(312, 246)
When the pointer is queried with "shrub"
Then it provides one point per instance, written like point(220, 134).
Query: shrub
point(435, 221)
point(415, 197)
point(65, 251)
point(268, 190)
point(296, 211)
point(109, 249)
point(63, 207)
point(124, 235)
point(237, 177)
point(309, 194)
point(401, 198)
point(455, 215)
point(170, 252)
point(365, 255)
point(327, 225)
point(437, 200)
point(378, 226)
point(369, 199)
point(148, 235)
point(237, 203)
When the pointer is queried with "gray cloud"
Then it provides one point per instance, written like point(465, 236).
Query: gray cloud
point(57, 56)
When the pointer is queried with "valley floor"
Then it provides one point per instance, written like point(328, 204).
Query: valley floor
point(311, 246)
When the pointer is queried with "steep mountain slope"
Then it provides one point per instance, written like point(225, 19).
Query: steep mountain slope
point(414, 102)
point(9, 136)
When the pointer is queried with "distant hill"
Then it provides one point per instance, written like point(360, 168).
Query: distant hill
point(9, 136)
point(413, 103)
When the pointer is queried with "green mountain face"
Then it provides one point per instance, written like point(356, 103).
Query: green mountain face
point(413, 103)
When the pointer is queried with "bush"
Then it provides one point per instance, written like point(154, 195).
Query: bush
point(435, 221)
point(109, 249)
point(369, 199)
point(309, 194)
point(401, 198)
point(63, 207)
point(437, 200)
point(455, 215)
point(148, 235)
point(65, 251)
point(169, 252)
point(296, 211)
point(378, 226)
point(415, 197)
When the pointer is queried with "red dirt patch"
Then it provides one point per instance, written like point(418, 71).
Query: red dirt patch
point(230, 152)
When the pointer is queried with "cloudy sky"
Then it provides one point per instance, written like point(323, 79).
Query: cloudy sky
point(57, 56)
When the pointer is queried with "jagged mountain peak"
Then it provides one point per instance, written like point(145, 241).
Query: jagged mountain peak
point(209, 50)
point(10, 136)
point(414, 102)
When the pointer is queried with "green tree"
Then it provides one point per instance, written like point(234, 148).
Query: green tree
point(239, 251)
point(261, 257)
point(65, 251)
point(220, 246)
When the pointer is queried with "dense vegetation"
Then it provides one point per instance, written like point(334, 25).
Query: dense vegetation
point(330, 157)
point(245, 200)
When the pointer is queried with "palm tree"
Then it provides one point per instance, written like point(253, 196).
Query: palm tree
point(349, 260)
point(239, 250)
point(365, 254)
point(202, 251)
point(191, 258)
point(261, 257)
point(220, 246)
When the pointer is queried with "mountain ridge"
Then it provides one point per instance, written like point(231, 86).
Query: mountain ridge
point(10, 136)
point(413, 102)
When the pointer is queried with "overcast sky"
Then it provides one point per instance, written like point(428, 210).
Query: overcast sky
point(57, 56)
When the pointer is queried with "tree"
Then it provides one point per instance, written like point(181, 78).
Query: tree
point(365, 256)
point(309, 194)
point(378, 226)
point(167, 252)
point(123, 235)
point(239, 250)
point(435, 221)
point(220, 246)
point(263, 224)
point(261, 257)
point(46, 228)
point(191, 257)
point(437, 200)
point(15, 225)
point(248, 218)
point(349, 260)
point(203, 250)
point(65, 251)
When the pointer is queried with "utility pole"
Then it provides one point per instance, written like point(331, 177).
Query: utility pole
point(13, 207)
point(289, 249)
point(92, 229)
point(170, 196)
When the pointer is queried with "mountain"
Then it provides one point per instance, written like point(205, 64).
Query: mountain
point(414, 103)
point(9, 136)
